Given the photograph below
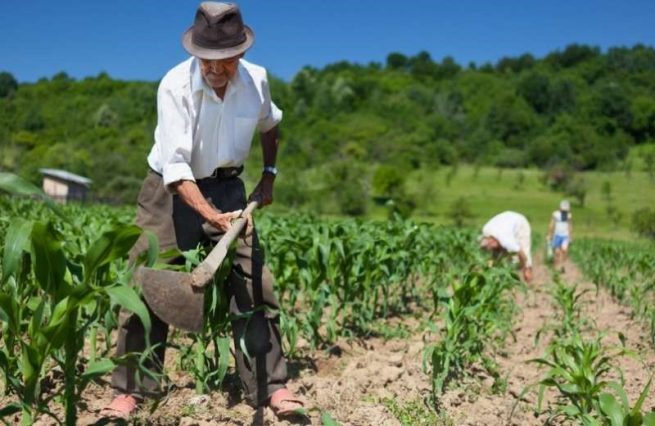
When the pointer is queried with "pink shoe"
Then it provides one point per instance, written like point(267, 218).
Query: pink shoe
point(122, 407)
point(283, 403)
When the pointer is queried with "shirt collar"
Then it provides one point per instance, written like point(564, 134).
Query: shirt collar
point(198, 83)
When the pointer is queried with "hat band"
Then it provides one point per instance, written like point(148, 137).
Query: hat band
point(203, 42)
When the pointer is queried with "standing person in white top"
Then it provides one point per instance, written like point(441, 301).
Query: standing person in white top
point(560, 232)
point(509, 232)
point(208, 108)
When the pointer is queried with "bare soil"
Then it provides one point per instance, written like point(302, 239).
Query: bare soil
point(355, 381)
point(517, 406)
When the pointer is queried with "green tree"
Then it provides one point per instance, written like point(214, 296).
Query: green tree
point(460, 212)
point(535, 87)
point(388, 181)
point(8, 84)
point(643, 112)
point(643, 222)
point(397, 61)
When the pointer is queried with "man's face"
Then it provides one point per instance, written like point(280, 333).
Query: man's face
point(490, 243)
point(218, 72)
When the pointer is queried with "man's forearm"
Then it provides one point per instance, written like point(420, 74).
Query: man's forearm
point(270, 141)
point(191, 195)
point(523, 259)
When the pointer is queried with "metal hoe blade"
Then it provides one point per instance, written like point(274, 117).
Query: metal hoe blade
point(172, 298)
point(178, 298)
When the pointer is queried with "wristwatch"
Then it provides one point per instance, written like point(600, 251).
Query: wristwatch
point(270, 170)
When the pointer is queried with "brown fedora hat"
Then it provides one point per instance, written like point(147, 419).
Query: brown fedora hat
point(218, 32)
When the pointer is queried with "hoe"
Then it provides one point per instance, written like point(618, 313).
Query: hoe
point(178, 298)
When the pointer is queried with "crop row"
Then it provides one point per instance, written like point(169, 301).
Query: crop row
point(64, 277)
point(626, 270)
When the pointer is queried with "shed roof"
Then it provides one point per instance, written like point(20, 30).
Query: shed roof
point(67, 176)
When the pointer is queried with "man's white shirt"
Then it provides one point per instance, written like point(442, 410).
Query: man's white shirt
point(512, 230)
point(197, 131)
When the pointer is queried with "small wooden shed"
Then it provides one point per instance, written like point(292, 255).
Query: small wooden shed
point(63, 186)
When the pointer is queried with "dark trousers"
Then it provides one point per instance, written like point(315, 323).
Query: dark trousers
point(249, 288)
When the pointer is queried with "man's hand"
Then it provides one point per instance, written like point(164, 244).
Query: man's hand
point(264, 190)
point(222, 221)
point(527, 274)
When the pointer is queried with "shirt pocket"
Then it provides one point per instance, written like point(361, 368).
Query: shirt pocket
point(244, 128)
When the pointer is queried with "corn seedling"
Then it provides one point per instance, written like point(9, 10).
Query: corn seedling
point(577, 369)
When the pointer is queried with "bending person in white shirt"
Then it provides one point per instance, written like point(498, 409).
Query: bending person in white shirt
point(509, 232)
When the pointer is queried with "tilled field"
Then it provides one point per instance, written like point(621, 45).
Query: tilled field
point(368, 382)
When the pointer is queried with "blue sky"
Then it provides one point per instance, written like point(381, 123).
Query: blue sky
point(140, 39)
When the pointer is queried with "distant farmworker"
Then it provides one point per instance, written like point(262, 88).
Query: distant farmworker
point(509, 232)
point(560, 231)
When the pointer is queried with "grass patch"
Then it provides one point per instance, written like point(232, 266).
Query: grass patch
point(491, 192)
point(415, 412)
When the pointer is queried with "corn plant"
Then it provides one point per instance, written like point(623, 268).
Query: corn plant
point(619, 412)
point(577, 369)
point(569, 316)
point(50, 302)
point(477, 309)
point(625, 270)
point(208, 356)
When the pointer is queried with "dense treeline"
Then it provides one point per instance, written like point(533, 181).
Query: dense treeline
point(579, 107)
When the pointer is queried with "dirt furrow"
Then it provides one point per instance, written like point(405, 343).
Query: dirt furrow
point(357, 381)
point(612, 318)
point(478, 404)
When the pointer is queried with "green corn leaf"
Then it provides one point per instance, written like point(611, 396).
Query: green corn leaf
point(126, 297)
point(223, 347)
point(59, 313)
point(98, 368)
point(16, 243)
point(611, 409)
point(48, 257)
point(620, 392)
point(16, 185)
point(37, 316)
point(12, 378)
point(649, 419)
point(30, 367)
point(570, 388)
point(570, 410)
point(540, 397)
point(642, 397)
point(58, 327)
point(153, 248)
point(7, 312)
point(113, 244)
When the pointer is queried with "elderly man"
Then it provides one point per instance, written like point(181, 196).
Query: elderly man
point(208, 108)
point(509, 232)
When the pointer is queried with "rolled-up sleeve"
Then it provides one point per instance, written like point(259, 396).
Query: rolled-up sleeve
point(174, 136)
point(270, 115)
